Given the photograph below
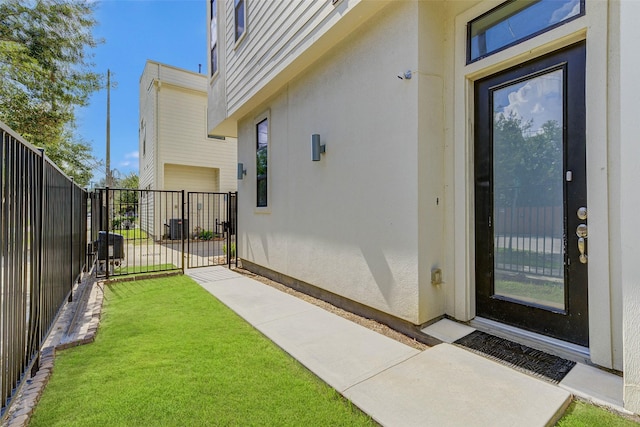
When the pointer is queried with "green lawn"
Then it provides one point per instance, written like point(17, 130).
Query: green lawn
point(541, 260)
point(551, 294)
point(132, 234)
point(580, 414)
point(169, 354)
point(144, 269)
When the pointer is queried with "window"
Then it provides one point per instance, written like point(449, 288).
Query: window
point(143, 130)
point(240, 17)
point(262, 137)
point(515, 21)
point(214, 37)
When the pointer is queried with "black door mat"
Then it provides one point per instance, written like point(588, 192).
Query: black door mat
point(526, 359)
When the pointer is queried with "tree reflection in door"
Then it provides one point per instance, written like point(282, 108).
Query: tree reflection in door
point(528, 191)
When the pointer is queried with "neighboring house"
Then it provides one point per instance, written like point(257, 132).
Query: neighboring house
point(469, 144)
point(176, 152)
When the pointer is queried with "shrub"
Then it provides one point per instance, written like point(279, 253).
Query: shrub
point(116, 222)
point(233, 249)
point(205, 235)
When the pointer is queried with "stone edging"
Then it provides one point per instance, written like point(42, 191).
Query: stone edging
point(63, 336)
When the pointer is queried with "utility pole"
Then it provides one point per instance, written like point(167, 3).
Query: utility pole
point(108, 174)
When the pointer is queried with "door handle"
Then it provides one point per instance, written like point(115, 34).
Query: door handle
point(581, 232)
point(583, 256)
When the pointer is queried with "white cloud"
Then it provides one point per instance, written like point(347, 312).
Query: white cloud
point(130, 160)
point(537, 109)
point(538, 99)
point(568, 10)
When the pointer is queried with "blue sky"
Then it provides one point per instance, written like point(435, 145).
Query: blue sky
point(168, 31)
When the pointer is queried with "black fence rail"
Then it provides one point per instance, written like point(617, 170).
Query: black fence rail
point(529, 240)
point(43, 239)
point(146, 231)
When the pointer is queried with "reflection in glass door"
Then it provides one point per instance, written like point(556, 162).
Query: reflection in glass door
point(528, 190)
point(530, 196)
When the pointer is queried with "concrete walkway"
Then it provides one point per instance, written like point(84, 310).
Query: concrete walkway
point(393, 383)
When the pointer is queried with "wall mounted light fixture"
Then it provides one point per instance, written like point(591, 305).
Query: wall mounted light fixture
point(241, 170)
point(406, 75)
point(317, 148)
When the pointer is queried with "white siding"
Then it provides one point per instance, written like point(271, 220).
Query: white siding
point(282, 39)
point(147, 127)
point(173, 107)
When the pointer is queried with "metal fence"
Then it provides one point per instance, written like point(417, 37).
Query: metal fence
point(146, 231)
point(43, 240)
point(529, 239)
point(212, 222)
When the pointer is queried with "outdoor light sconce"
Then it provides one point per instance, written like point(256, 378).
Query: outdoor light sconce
point(241, 170)
point(316, 147)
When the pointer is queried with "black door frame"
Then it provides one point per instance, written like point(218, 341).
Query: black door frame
point(570, 324)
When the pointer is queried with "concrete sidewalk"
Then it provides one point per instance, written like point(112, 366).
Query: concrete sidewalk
point(393, 383)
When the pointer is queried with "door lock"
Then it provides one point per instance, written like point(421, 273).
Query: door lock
point(582, 213)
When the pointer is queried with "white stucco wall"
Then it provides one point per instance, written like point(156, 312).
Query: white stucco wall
point(630, 173)
point(392, 198)
point(349, 223)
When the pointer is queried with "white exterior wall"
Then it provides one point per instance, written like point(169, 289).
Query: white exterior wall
point(173, 105)
point(630, 174)
point(193, 178)
point(147, 128)
point(348, 223)
point(393, 196)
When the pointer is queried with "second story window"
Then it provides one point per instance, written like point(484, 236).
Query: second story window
point(240, 10)
point(143, 131)
point(214, 37)
point(262, 136)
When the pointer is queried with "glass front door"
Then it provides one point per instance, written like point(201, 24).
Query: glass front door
point(531, 196)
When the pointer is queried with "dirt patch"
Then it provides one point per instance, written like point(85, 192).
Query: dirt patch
point(363, 321)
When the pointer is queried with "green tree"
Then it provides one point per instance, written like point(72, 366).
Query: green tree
point(45, 73)
point(527, 164)
point(131, 180)
point(128, 199)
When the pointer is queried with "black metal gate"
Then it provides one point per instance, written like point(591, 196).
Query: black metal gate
point(211, 221)
point(146, 231)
